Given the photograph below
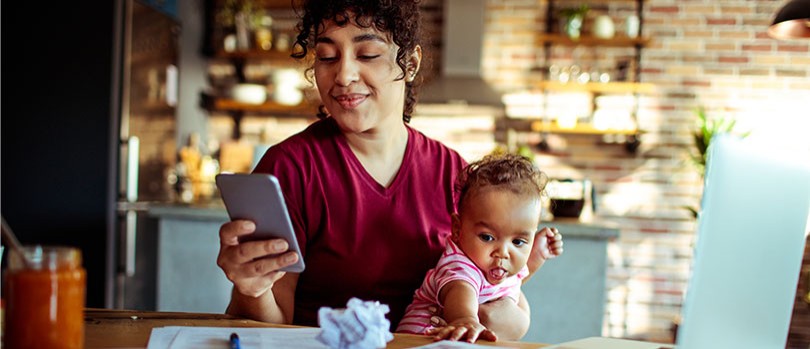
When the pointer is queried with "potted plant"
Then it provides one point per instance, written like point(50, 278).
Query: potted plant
point(706, 129)
point(573, 19)
point(240, 18)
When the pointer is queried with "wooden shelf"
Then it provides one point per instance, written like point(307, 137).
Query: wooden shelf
point(580, 128)
point(564, 40)
point(544, 126)
point(577, 2)
point(267, 108)
point(596, 87)
point(257, 54)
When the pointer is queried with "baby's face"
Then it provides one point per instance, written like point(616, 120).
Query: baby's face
point(496, 229)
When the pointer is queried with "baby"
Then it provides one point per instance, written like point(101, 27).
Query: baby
point(493, 235)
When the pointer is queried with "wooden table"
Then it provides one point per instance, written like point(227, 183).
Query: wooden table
point(131, 329)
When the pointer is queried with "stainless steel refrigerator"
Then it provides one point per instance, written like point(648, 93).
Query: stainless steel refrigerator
point(88, 134)
point(149, 92)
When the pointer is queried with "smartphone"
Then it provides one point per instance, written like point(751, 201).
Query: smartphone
point(257, 197)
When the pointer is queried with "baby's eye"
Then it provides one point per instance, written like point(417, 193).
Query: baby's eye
point(519, 242)
point(486, 237)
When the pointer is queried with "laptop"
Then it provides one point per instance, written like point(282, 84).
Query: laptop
point(748, 252)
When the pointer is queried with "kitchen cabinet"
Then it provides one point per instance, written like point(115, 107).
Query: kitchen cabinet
point(603, 68)
point(568, 294)
point(188, 278)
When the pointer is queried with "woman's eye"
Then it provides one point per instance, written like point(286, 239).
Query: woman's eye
point(327, 59)
point(368, 57)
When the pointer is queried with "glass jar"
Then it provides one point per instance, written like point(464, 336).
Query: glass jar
point(45, 298)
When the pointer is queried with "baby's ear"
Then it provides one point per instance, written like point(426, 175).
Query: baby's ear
point(455, 227)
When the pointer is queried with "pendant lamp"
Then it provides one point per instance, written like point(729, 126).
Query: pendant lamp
point(792, 21)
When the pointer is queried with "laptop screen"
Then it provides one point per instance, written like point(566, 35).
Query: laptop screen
point(748, 250)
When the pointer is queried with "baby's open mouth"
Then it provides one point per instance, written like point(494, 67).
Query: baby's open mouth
point(497, 273)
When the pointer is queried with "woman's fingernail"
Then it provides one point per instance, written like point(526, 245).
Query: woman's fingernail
point(248, 225)
point(290, 257)
point(279, 246)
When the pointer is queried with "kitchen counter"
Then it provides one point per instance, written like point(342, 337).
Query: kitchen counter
point(215, 210)
point(567, 294)
point(209, 210)
point(595, 229)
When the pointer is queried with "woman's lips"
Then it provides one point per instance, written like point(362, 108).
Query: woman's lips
point(350, 101)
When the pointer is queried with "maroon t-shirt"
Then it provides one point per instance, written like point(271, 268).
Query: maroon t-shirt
point(358, 238)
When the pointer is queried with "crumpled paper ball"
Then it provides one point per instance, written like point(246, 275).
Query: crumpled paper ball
point(361, 325)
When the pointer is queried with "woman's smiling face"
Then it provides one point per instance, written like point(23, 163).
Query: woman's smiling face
point(358, 78)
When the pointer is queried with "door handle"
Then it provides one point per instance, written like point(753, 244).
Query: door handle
point(130, 239)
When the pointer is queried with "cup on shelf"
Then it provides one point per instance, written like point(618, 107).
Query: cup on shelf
point(631, 26)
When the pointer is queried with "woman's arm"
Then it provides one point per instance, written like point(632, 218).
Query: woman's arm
point(261, 291)
point(547, 244)
point(507, 319)
point(274, 306)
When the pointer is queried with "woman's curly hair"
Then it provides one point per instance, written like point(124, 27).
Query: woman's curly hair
point(400, 18)
point(507, 171)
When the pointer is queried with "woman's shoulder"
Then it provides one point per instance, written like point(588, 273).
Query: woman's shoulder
point(426, 146)
point(302, 146)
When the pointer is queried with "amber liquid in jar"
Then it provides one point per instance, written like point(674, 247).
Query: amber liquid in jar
point(45, 299)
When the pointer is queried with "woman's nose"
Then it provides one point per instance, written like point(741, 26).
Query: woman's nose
point(347, 72)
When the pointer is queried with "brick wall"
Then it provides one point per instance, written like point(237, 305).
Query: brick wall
point(713, 53)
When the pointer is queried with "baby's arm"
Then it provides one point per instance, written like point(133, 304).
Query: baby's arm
point(548, 244)
point(460, 302)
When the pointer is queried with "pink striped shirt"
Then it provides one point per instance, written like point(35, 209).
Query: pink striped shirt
point(454, 265)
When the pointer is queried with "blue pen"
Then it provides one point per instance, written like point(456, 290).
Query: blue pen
point(234, 341)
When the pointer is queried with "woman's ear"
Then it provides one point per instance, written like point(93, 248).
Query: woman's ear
point(414, 62)
point(455, 227)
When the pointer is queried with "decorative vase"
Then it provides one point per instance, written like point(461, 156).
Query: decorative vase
point(573, 25)
point(603, 27)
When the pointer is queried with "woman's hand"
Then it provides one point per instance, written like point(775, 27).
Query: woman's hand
point(508, 319)
point(250, 274)
point(464, 328)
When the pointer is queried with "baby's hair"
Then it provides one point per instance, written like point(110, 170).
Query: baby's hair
point(508, 171)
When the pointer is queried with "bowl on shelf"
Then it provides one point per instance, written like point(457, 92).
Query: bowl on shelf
point(566, 207)
point(249, 93)
point(568, 197)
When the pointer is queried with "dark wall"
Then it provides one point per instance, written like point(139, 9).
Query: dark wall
point(57, 139)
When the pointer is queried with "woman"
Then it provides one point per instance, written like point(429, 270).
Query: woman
point(370, 198)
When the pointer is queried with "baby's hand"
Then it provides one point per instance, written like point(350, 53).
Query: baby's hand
point(555, 242)
point(465, 328)
point(547, 245)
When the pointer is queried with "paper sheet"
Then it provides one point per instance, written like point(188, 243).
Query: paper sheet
point(180, 337)
point(454, 345)
point(609, 343)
